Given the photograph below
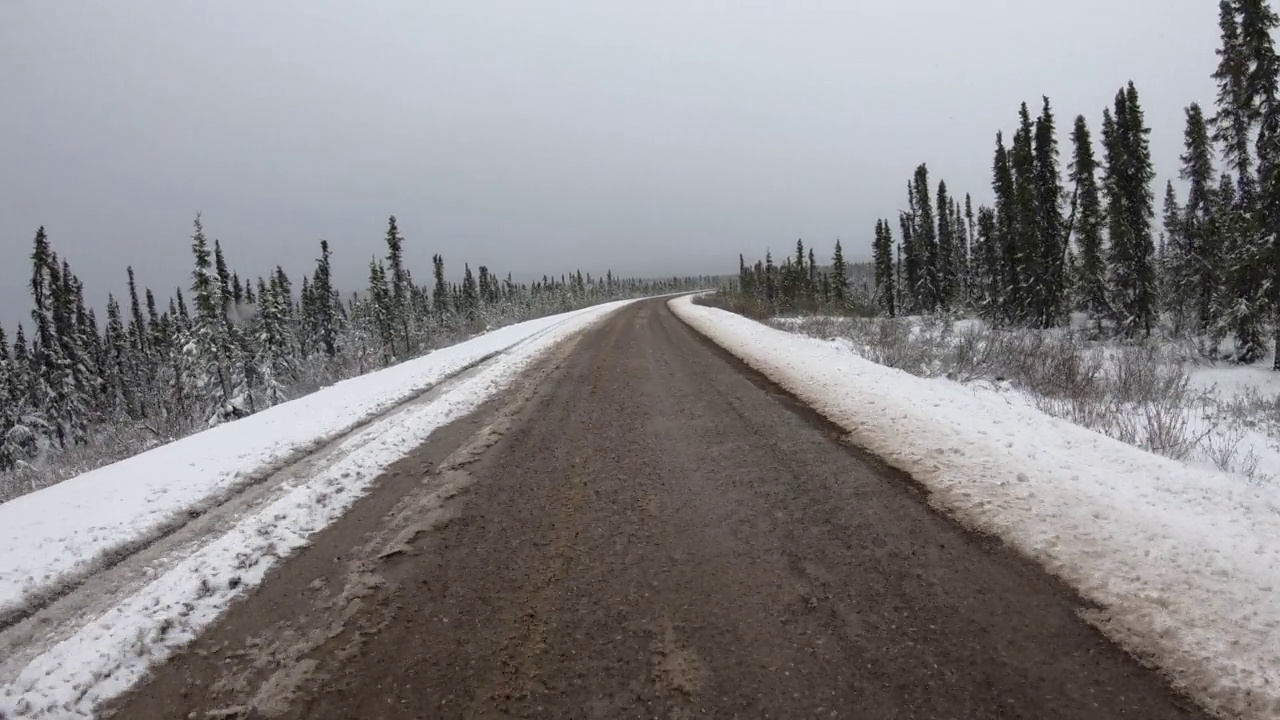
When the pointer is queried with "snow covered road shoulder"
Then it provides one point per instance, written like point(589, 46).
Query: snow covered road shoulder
point(50, 535)
point(1184, 561)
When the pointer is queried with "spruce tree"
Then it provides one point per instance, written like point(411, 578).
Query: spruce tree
point(17, 423)
point(973, 238)
point(794, 277)
point(947, 280)
point(1177, 264)
point(53, 385)
point(118, 374)
point(1246, 81)
point(274, 365)
point(1127, 187)
point(770, 280)
point(284, 288)
point(8, 406)
point(42, 300)
point(440, 295)
point(1203, 243)
point(222, 279)
point(212, 352)
point(900, 299)
point(471, 295)
point(839, 277)
point(324, 299)
point(1257, 27)
point(960, 254)
point(1091, 275)
point(25, 370)
point(84, 345)
point(882, 252)
point(1007, 297)
point(399, 301)
point(925, 242)
point(381, 307)
point(1049, 235)
point(183, 315)
point(485, 285)
point(1027, 274)
point(154, 335)
point(812, 286)
point(909, 263)
point(989, 275)
point(1232, 125)
point(137, 334)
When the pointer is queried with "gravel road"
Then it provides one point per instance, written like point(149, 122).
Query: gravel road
point(643, 528)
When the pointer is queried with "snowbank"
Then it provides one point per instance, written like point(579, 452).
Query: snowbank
point(54, 536)
point(1184, 561)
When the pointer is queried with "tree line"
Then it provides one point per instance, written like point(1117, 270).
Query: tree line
point(76, 393)
point(1049, 246)
point(1046, 248)
point(801, 284)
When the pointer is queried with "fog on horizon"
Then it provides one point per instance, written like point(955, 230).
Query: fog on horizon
point(651, 139)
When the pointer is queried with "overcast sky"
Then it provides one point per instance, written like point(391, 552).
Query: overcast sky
point(654, 137)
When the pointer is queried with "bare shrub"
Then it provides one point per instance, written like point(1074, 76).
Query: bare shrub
point(978, 353)
point(891, 343)
point(1255, 410)
point(1056, 367)
point(1223, 448)
point(819, 326)
point(1140, 394)
point(736, 303)
point(1167, 430)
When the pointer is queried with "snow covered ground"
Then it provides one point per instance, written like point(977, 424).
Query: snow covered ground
point(51, 537)
point(1183, 559)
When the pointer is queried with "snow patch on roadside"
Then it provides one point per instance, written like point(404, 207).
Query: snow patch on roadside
point(112, 652)
point(1184, 560)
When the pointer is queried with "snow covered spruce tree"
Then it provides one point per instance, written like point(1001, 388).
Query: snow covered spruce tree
point(1129, 211)
point(397, 301)
point(17, 438)
point(274, 357)
point(323, 304)
point(212, 352)
point(1245, 72)
point(1257, 26)
point(56, 353)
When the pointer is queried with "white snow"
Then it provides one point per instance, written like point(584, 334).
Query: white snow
point(54, 532)
point(1231, 379)
point(1184, 560)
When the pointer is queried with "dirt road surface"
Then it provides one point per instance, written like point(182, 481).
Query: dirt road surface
point(642, 528)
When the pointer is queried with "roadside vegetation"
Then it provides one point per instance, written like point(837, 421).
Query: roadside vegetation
point(76, 393)
point(1066, 290)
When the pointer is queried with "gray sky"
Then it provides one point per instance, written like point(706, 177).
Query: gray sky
point(652, 137)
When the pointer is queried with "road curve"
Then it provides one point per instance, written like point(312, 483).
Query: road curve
point(644, 528)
